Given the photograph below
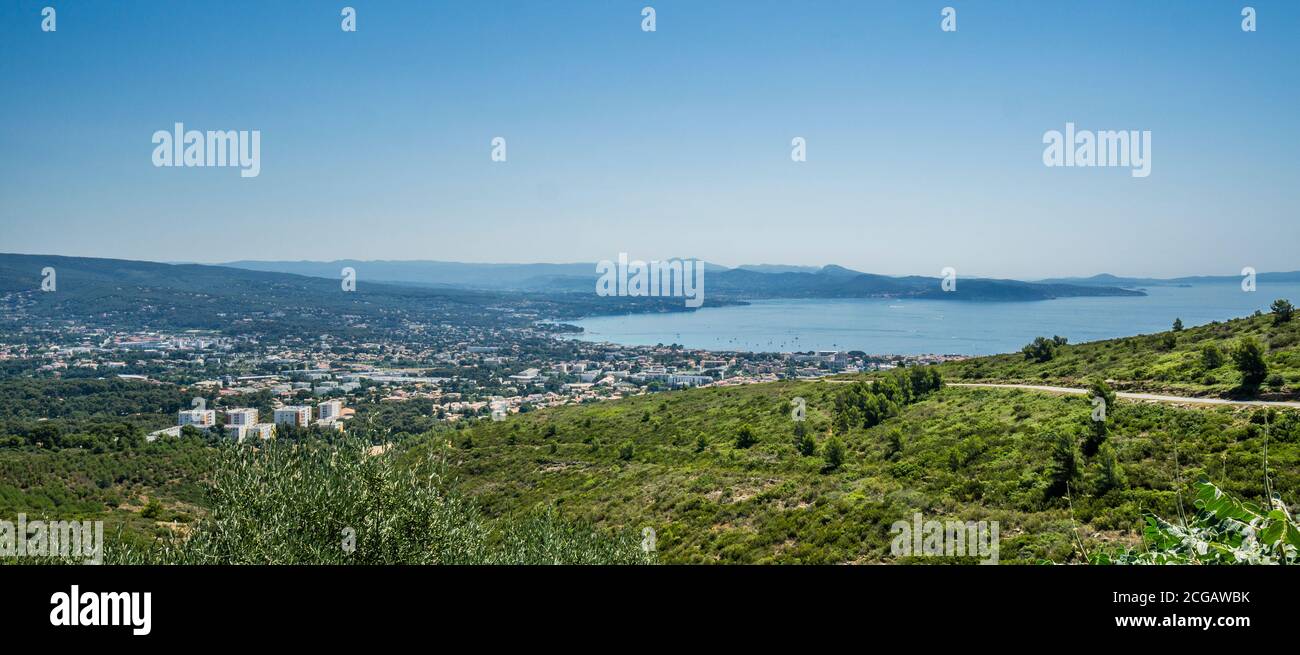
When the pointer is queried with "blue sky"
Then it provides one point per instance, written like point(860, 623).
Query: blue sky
point(924, 147)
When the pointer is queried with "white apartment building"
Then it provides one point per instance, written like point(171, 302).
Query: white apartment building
point(330, 424)
point(298, 415)
point(242, 416)
point(526, 375)
point(262, 430)
point(690, 380)
point(330, 409)
point(201, 418)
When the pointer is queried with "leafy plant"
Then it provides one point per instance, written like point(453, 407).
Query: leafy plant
point(1225, 530)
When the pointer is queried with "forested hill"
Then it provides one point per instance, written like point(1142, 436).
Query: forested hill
point(135, 293)
point(1253, 356)
point(734, 284)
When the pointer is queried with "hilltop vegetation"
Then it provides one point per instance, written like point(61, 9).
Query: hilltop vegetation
point(1196, 361)
point(676, 463)
point(138, 491)
point(341, 503)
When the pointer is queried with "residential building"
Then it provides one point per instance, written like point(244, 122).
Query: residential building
point(200, 418)
point(297, 415)
point(526, 375)
point(330, 409)
point(262, 431)
point(242, 416)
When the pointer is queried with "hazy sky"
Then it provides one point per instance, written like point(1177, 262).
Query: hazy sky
point(924, 148)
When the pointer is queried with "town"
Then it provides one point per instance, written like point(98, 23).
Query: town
point(462, 373)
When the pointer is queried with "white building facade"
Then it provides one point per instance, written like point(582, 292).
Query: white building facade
point(199, 418)
point(297, 415)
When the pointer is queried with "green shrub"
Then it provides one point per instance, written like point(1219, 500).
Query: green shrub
point(745, 437)
point(833, 453)
point(1249, 359)
point(317, 503)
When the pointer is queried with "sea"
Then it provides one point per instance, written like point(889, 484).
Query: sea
point(918, 327)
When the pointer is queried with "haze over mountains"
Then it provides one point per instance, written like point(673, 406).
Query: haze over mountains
point(1106, 279)
point(723, 285)
point(744, 282)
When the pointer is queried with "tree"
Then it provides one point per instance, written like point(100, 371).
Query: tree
point(626, 451)
point(1103, 401)
point(1111, 474)
point(1041, 349)
point(803, 443)
point(700, 443)
point(746, 437)
point(1211, 357)
point(1178, 325)
point(1064, 465)
point(807, 446)
point(1249, 358)
point(893, 443)
point(833, 452)
point(1282, 311)
point(152, 509)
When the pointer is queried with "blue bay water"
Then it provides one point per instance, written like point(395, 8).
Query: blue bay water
point(915, 327)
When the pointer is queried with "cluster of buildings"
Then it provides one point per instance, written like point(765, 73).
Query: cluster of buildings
point(474, 366)
point(242, 422)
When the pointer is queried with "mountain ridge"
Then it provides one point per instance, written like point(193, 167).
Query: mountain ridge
point(741, 283)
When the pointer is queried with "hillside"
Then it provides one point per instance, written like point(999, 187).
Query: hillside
point(1192, 362)
point(165, 296)
point(672, 462)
